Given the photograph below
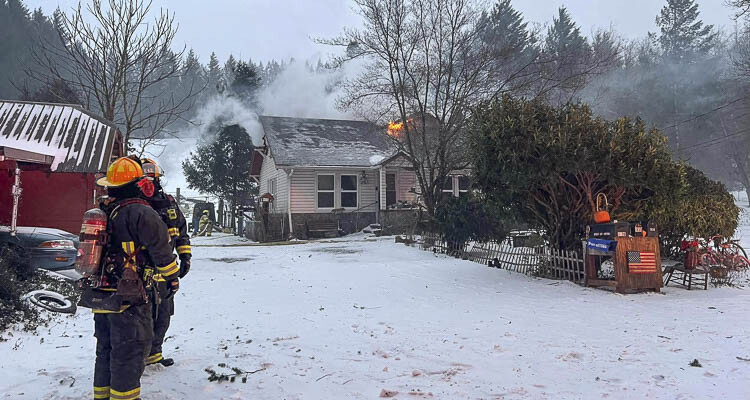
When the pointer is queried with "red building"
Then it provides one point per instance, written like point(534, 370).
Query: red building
point(58, 150)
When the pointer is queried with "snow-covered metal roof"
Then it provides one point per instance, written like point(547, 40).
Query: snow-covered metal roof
point(325, 142)
point(78, 140)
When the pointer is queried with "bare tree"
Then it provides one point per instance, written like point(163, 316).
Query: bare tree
point(426, 64)
point(121, 63)
point(742, 6)
point(424, 67)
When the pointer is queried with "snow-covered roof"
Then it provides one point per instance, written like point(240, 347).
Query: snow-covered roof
point(325, 142)
point(78, 140)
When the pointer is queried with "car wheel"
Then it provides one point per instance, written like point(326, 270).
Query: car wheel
point(51, 301)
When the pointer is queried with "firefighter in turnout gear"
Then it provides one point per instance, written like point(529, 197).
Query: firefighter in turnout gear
point(205, 226)
point(167, 208)
point(136, 247)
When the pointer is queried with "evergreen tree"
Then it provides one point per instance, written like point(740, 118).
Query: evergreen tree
point(605, 50)
point(567, 58)
point(682, 32)
point(192, 69)
point(564, 41)
point(21, 31)
point(246, 81)
point(504, 30)
point(214, 74)
point(219, 167)
point(229, 69)
point(506, 36)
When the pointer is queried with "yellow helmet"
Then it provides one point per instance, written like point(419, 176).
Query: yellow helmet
point(151, 168)
point(121, 172)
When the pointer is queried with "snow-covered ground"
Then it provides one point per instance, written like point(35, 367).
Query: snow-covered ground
point(220, 239)
point(354, 319)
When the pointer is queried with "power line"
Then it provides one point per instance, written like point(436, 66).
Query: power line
point(699, 116)
point(715, 141)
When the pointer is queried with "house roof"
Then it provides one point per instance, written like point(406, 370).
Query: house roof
point(325, 142)
point(78, 140)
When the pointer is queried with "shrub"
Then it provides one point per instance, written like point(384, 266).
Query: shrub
point(548, 164)
point(465, 218)
point(17, 277)
point(702, 208)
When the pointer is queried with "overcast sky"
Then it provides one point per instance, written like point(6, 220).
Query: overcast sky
point(280, 29)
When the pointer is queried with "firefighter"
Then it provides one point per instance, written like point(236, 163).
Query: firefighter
point(205, 226)
point(167, 208)
point(137, 247)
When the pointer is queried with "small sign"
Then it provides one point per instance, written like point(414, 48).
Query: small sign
point(602, 245)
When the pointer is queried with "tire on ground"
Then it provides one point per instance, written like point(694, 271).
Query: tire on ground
point(51, 301)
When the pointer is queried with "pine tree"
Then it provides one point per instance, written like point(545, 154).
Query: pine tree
point(564, 40)
point(505, 34)
point(219, 167)
point(567, 58)
point(214, 74)
point(504, 29)
point(682, 32)
point(229, 69)
point(246, 81)
point(605, 50)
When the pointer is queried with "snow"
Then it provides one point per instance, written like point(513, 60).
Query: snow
point(356, 317)
point(220, 239)
point(42, 128)
point(376, 159)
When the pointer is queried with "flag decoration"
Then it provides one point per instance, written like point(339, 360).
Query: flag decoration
point(641, 262)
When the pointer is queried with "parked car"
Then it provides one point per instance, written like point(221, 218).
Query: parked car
point(50, 249)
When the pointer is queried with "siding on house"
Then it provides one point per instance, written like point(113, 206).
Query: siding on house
point(304, 189)
point(268, 171)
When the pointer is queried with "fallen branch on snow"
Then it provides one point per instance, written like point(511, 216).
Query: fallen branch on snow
point(213, 376)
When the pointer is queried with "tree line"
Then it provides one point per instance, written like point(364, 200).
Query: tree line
point(114, 59)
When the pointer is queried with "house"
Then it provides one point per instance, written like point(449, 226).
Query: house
point(318, 175)
point(56, 152)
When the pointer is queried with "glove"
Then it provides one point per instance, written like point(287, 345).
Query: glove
point(173, 286)
point(184, 266)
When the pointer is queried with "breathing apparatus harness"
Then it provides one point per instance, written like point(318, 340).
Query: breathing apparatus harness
point(112, 277)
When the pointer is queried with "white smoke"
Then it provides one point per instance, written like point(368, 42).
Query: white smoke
point(224, 110)
point(301, 92)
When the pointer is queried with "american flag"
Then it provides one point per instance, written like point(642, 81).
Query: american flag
point(641, 262)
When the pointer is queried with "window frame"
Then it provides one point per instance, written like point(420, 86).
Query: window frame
point(458, 185)
point(272, 186)
point(318, 191)
point(451, 188)
point(342, 191)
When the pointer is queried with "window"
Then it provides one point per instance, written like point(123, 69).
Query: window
point(326, 190)
point(349, 191)
point(272, 186)
point(390, 190)
point(463, 185)
point(447, 188)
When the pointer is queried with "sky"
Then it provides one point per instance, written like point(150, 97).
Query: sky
point(281, 29)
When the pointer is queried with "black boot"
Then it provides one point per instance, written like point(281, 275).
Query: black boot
point(167, 362)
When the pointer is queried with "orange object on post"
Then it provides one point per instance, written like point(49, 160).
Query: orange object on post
point(601, 216)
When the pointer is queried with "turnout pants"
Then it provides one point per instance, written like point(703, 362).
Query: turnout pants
point(122, 343)
point(162, 314)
